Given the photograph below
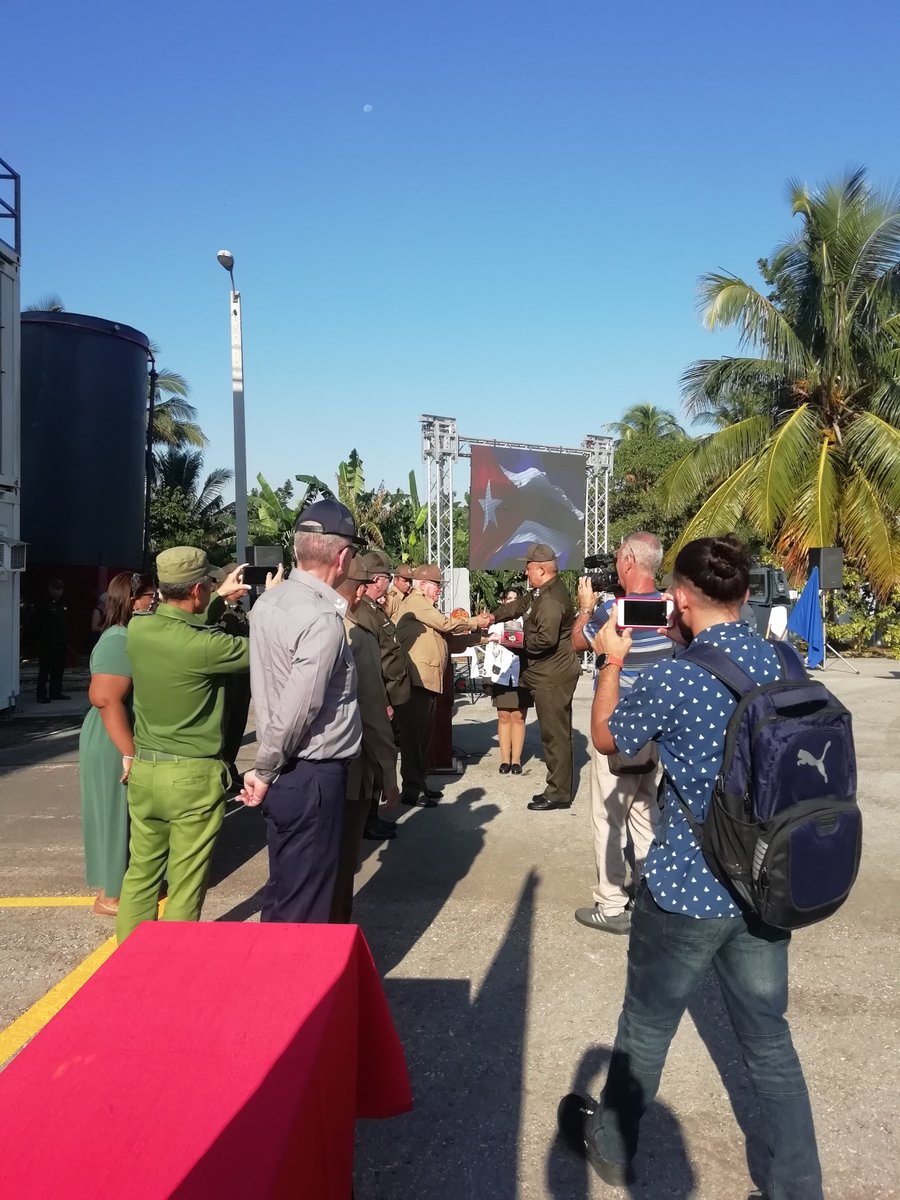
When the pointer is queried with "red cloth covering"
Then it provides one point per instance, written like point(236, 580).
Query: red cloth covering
point(206, 1061)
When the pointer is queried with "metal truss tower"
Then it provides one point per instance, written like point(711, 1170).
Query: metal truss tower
point(600, 452)
point(440, 450)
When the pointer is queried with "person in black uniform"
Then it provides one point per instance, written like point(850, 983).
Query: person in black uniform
point(552, 669)
point(51, 635)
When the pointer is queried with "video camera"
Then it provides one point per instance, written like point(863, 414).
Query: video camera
point(602, 571)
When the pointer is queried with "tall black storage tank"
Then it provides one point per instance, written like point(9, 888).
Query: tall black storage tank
point(84, 413)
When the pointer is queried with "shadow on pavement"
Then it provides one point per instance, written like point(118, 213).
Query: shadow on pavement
point(710, 1016)
point(241, 838)
point(465, 1058)
point(662, 1167)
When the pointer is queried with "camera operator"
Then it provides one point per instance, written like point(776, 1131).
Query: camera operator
point(623, 789)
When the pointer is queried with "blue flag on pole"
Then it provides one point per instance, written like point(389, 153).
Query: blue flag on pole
point(806, 621)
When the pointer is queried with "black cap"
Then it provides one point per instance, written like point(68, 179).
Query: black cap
point(328, 516)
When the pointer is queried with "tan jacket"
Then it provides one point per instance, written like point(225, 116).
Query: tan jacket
point(392, 601)
point(423, 631)
point(376, 764)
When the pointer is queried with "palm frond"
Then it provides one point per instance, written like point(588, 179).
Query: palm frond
point(870, 535)
point(875, 445)
point(722, 511)
point(710, 460)
point(721, 380)
point(729, 300)
point(787, 455)
point(814, 518)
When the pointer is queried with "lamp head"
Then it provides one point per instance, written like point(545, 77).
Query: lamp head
point(226, 258)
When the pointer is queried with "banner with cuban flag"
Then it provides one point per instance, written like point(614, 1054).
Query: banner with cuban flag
point(521, 496)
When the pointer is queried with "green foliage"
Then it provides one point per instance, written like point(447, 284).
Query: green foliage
point(187, 509)
point(808, 441)
point(857, 621)
point(634, 496)
point(646, 420)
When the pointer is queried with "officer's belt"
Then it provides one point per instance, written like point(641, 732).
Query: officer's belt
point(162, 756)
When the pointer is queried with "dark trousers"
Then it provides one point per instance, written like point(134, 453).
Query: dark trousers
point(304, 812)
point(668, 956)
point(356, 811)
point(553, 706)
point(415, 722)
point(234, 722)
point(51, 665)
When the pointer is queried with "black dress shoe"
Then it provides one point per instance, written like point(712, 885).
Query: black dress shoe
point(60, 696)
point(377, 831)
point(542, 804)
point(574, 1117)
point(430, 794)
point(411, 799)
point(505, 768)
point(516, 768)
point(43, 699)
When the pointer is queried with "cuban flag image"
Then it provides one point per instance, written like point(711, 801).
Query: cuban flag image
point(519, 497)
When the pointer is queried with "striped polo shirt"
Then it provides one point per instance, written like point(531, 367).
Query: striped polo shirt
point(647, 646)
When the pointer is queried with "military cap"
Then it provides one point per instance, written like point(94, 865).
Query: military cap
point(377, 562)
point(184, 564)
point(540, 552)
point(328, 516)
point(403, 571)
point(429, 571)
point(357, 571)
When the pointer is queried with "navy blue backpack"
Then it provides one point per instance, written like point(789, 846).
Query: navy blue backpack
point(783, 832)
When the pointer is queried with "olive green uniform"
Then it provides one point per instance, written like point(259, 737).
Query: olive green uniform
point(176, 791)
point(551, 671)
point(394, 659)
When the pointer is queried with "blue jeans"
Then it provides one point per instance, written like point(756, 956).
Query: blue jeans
point(668, 955)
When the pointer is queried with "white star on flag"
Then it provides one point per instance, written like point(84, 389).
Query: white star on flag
point(489, 507)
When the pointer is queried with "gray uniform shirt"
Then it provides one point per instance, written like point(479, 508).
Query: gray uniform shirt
point(302, 675)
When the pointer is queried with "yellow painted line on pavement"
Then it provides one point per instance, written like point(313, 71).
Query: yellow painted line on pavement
point(45, 901)
point(23, 1029)
point(15, 1036)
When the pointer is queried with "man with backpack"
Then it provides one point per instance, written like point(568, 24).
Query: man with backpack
point(685, 920)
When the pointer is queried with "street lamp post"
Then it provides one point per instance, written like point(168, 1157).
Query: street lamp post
point(242, 537)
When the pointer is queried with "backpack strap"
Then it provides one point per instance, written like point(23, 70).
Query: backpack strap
point(792, 669)
point(720, 665)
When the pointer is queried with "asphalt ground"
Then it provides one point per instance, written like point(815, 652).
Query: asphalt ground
point(503, 1002)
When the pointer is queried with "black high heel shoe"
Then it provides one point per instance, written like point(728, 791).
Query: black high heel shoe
point(516, 768)
point(505, 768)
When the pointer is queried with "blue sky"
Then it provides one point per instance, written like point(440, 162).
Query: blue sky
point(492, 211)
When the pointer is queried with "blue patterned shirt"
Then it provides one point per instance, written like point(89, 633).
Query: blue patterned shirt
point(686, 710)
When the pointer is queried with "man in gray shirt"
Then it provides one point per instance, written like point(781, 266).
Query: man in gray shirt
point(307, 720)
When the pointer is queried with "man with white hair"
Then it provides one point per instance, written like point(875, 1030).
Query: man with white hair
point(623, 789)
point(307, 719)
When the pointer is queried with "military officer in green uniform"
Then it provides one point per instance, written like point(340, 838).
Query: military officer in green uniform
point(551, 669)
point(372, 616)
point(177, 785)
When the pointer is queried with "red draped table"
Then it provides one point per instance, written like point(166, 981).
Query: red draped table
point(206, 1061)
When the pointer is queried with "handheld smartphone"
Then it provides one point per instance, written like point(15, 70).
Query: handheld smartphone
point(643, 612)
point(256, 576)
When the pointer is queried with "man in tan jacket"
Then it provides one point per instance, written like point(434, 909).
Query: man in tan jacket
point(399, 590)
point(377, 760)
point(422, 631)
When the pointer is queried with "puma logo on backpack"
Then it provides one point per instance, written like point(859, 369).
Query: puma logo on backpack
point(783, 832)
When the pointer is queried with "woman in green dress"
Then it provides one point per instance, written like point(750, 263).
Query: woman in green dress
point(106, 746)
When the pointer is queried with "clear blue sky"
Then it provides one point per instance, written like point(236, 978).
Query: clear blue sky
point(494, 211)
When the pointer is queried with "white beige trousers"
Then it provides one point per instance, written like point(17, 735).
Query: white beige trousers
point(621, 805)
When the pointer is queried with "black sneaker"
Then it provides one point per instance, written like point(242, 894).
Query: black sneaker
point(574, 1117)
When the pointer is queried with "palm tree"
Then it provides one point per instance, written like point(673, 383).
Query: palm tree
point(816, 459)
point(49, 303)
point(174, 419)
point(181, 470)
point(646, 420)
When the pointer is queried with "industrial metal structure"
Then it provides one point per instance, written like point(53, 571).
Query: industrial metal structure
point(443, 445)
point(12, 550)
